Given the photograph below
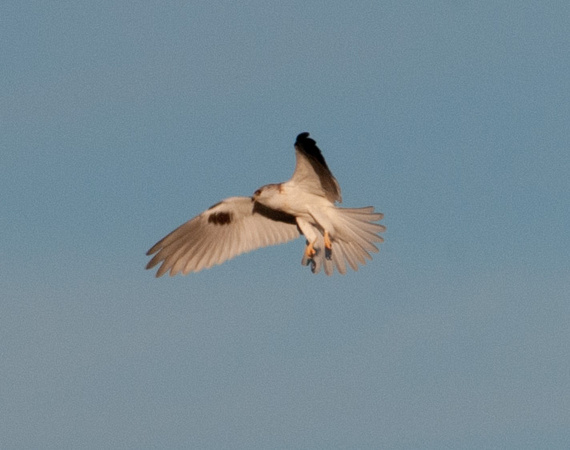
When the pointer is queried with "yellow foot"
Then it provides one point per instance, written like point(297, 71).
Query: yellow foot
point(328, 243)
point(310, 250)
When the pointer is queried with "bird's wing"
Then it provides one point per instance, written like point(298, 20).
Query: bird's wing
point(311, 170)
point(235, 225)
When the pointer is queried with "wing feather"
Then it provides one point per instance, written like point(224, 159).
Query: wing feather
point(312, 172)
point(234, 226)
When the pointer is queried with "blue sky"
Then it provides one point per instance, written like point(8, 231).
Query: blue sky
point(122, 120)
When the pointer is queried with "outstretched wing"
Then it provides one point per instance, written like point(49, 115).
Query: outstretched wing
point(311, 170)
point(235, 225)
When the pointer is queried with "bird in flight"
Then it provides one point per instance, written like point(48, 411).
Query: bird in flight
point(277, 213)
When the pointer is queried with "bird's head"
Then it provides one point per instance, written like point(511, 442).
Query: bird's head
point(267, 195)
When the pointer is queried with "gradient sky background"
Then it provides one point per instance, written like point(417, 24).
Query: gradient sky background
point(122, 120)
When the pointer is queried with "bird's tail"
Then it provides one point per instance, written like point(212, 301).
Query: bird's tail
point(354, 238)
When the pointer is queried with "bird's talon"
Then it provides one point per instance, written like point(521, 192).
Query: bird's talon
point(328, 242)
point(310, 251)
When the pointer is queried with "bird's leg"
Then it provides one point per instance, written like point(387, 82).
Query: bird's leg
point(328, 245)
point(310, 250)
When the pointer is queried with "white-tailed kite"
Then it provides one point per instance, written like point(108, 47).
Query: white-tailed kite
point(277, 213)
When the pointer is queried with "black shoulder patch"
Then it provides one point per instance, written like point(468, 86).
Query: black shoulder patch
point(273, 214)
point(221, 218)
point(309, 146)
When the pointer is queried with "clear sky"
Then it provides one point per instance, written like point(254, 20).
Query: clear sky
point(122, 120)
